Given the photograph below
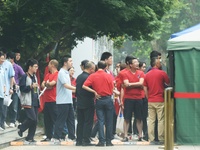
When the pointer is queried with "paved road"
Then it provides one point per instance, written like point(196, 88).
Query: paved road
point(124, 147)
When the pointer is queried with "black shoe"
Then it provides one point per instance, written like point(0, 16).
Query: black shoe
point(78, 143)
point(46, 140)
point(125, 139)
point(87, 144)
point(18, 127)
point(109, 144)
point(20, 133)
point(100, 144)
point(31, 141)
point(140, 139)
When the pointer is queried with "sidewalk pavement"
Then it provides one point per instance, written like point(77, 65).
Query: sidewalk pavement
point(9, 135)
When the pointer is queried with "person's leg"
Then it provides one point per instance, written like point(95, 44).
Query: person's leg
point(135, 130)
point(161, 119)
point(47, 120)
point(70, 121)
point(87, 128)
point(152, 118)
point(13, 108)
point(4, 114)
point(128, 109)
point(60, 120)
point(95, 129)
point(80, 125)
point(1, 112)
point(101, 121)
point(109, 120)
point(145, 115)
point(33, 114)
point(114, 122)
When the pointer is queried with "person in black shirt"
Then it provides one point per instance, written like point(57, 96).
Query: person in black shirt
point(85, 107)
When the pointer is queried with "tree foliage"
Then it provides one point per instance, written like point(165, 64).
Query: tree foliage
point(183, 14)
point(38, 27)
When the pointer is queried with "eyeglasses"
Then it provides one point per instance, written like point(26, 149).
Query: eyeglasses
point(35, 66)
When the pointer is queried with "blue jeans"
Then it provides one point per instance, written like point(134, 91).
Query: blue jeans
point(13, 108)
point(104, 111)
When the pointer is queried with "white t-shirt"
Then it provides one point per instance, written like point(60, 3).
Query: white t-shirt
point(63, 95)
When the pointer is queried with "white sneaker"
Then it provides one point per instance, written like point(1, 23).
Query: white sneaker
point(68, 140)
point(12, 125)
point(135, 137)
point(94, 139)
point(117, 137)
point(55, 140)
point(5, 125)
point(1, 129)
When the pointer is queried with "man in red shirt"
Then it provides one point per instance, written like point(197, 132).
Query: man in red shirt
point(50, 98)
point(154, 83)
point(133, 81)
point(102, 86)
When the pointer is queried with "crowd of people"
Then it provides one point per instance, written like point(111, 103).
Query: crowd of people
point(94, 98)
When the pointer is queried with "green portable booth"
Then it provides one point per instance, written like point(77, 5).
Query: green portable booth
point(184, 64)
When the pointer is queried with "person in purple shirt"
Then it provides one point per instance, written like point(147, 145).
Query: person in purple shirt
point(13, 108)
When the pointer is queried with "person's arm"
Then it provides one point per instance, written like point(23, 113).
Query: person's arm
point(146, 91)
point(23, 87)
point(92, 91)
point(70, 87)
point(127, 84)
point(12, 80)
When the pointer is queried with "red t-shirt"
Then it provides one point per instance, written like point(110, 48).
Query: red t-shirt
point(50, 94)
point(119, 79)
point(101, 82)
point(143, 93)
point(133, 93)
point(154, 81)
point(73, 82)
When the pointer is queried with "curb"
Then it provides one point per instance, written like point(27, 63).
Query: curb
point(65, 143)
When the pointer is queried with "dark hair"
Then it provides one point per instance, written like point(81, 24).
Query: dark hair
point(153, 61)
point(141, 63)
point(122, 66)
point(11, 55)
point(89, 65)
point(70, 68)
point(101, 65)
point(84, 62)
point(105, 55)
point(128, 58)
point(65, 59)
point(154, 54)
point(29, 63)
point(16, 50)
point(1, 53)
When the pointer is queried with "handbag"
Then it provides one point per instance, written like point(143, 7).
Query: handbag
point(7, 100)
point(120, 122)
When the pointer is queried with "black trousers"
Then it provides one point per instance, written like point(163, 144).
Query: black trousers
point(85, 123)
point(65, 115)
point(30, 122)
point(50, 114)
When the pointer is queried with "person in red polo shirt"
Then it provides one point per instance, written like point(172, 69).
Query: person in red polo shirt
point(133, 81)
point(154, 83)
point(50, 98)
point(102, 86)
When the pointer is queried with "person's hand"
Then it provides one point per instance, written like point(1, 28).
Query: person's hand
point(34, 85)
point(11, 91)
point(97, 96)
